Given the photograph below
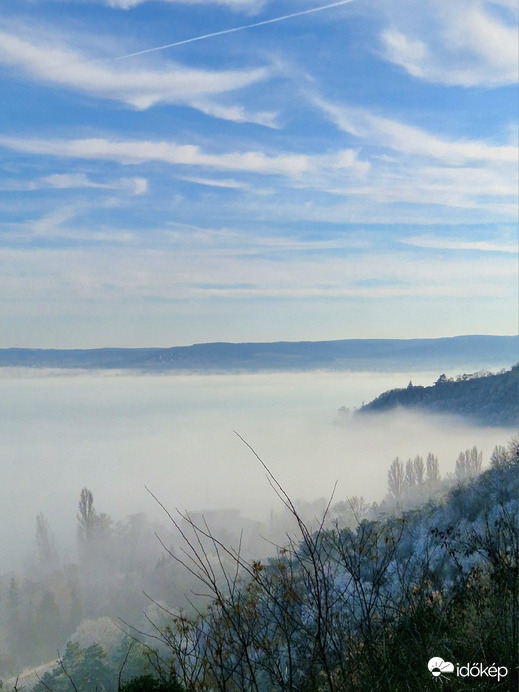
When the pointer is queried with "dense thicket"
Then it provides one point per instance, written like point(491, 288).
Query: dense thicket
point(364, 608)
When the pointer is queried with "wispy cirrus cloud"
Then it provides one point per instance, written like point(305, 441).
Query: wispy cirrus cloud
point(137, 186)
point(184, 271)
point(486, 188)
point(440, 243)
point(236, 113)
point(235, 242)
point(138, 151)
point(454, 42)
point(373, 183)
point(67, 224)
point(411, 165)
point(228, 183)
point(49, 60)
point(408, 139)
point(239, 5)
point(76, 181)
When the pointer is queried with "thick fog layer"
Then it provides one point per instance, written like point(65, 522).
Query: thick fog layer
point(116, 434)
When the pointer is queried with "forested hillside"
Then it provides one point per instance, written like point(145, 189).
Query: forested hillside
point(486, 399)
point(367, 608)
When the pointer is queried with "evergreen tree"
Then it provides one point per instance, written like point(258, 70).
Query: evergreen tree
point(148, 683)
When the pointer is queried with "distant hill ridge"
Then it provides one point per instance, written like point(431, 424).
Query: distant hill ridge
point(460, 352)
point(485, 398)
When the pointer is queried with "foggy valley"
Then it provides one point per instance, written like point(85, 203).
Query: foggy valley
point(259, 380)
point(140, 441)
point(174, 434)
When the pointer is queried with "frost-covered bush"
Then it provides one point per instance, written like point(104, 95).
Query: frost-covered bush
point(348, 609)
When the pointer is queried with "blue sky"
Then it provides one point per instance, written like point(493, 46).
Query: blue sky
point(344, 173)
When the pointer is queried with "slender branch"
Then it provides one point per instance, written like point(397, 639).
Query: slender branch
point(62, 666)
point(119, 676)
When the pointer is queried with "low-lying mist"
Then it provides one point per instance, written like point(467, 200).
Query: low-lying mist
point(116, 434)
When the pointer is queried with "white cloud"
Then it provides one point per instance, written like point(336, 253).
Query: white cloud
point(461, 187)
point(407, 139)
point(378, 207)
point(136, 186)
point(375, 189)
point(63, 223)
point(48, 224)
point(407, 52)
point(140, 186)
point(422, 168)
point(233, 242)
point(235, 113)
point(51, 61)
point(228, 183)
point(135, 152)
point(186, 272)
point(76, 181)
point(454, 42)
point(231, 4)
point(439, 243)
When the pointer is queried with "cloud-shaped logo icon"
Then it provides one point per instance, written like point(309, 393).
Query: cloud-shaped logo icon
point(438, 666)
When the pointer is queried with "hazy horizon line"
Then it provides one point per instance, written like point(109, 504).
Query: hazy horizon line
point(269, 341)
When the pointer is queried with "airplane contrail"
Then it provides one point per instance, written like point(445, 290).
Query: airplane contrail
point(237, 28)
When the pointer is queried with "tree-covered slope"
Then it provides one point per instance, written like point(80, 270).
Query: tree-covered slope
point(344, 607)
point(486, 399)
point(347, 610)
